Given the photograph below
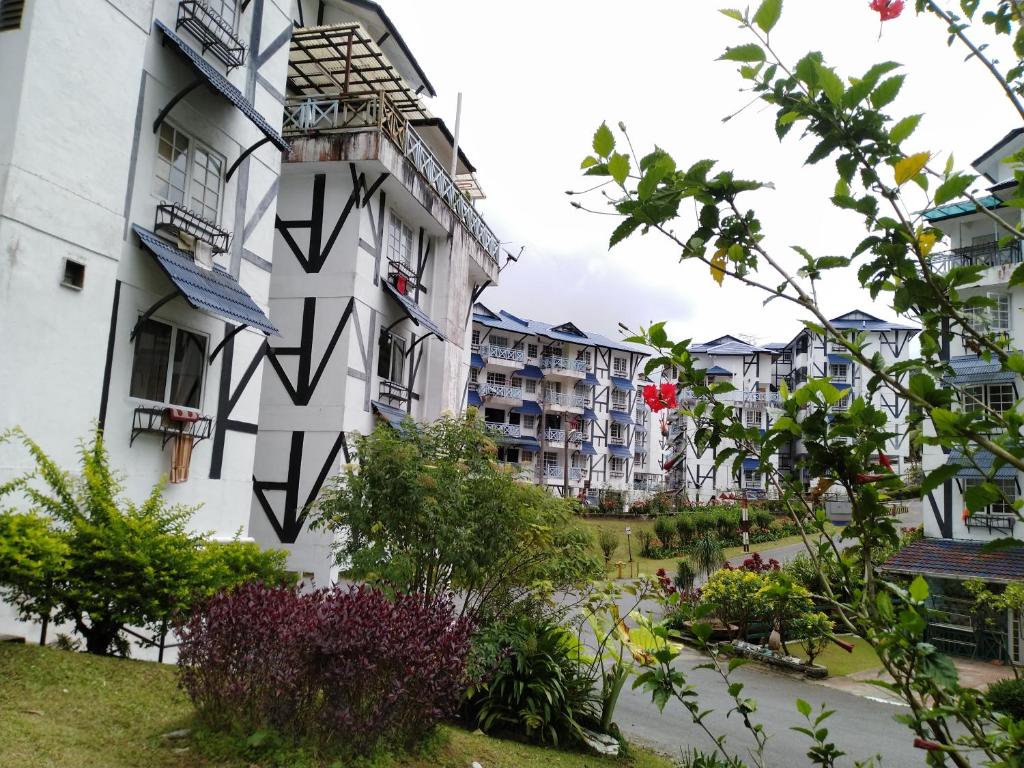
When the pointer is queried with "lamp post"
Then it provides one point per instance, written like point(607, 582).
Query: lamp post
point(745, 524)
point(629, 549)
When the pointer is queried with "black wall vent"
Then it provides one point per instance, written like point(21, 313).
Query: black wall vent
point(10, 14)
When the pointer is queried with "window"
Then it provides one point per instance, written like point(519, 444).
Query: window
point(474, 375)
point(618, 400)
point(225, 9)
point(499, 341)
point(188, 173)
point(787, 357)
point(619, 366)
point(529, 422)
point(843, 404)
point(615, 464)
point(518, 346)
point(531, 350)
point(399, 240)
point(616, 431)
point(752, 418)
point(476, 336)
point(1007, 487)
point(531, 386)
point(391, 359)
point(516, 381)
point(998, 397)
point(838, 371)
point(168, 365)
point(74, 274)
point(497, 379)
point(995, 318)
point(751, 478)
point(508, 455)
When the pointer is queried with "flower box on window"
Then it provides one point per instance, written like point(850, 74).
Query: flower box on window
point(170, 423)
point(181, 223)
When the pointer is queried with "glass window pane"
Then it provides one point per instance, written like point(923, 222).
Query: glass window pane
point(187, 375)
point(149, 366)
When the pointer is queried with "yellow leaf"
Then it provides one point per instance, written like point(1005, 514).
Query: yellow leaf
point(909, 167)
point(926, 240)
point(718, 266)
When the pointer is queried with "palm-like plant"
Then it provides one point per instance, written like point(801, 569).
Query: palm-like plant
point(707, 554)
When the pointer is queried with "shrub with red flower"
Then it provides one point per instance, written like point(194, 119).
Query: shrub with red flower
point(887, 9)
point(756, 564)
point(661, 396)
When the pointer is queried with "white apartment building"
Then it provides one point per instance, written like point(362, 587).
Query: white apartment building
point(565, 405)
point(690, 470)
point(952, 549)
point(378, 252)
point(808, 355)
point(139, 160)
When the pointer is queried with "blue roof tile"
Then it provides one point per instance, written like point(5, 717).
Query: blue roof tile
point(620, 451)
point(621, 383)
point(508, 322)
point(955, 559)
point(528, 408)
point(390, 414)
point(984, 460)
point(620, 417)
point(414, 311)
point(971, 369)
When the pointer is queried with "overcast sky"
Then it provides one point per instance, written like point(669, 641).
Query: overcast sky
point(538, 77)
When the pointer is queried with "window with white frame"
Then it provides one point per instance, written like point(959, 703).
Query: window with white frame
point(616, 431)
point(752, 418)
point(1008, 492)
point(997, 397)
point(992, 318)
point(615, 463)
point(497, 379)
point(529, 422)
point(838, 371)
point(391, 357)
point(751, 478)
point(226, 9)
point(399, 240)
point(530, 386)
point(619, 366)
point(531, 350)
point(168, 365)
point(188, 173)
point(843, 404)
point(476, 336)
point(787, 357)
point(618, 400)
point(499, 341)
point(516, 381)
point(474, 375)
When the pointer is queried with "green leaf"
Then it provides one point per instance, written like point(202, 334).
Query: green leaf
point(902, 130)
point(919, 589)
point(618, 167)
point(803, 707)
point(732, 13)
point(768, 14)
point(886, 91)
point(604, 141)
point(1015, 362)
point(588, 161)
point(938, 476)
point(624, 230)
point(751, 52)
point(953, 187)
point(831, 84)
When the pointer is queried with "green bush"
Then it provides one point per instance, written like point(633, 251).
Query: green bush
point(531, 681)
point(666, 532)
point(685, 575)
point(607, 542)
point(1007, 696)
point(646, 540)
point(762, 518)
point(685, 528)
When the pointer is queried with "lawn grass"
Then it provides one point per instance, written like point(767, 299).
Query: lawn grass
point(839, 662)
point(649, 566)
point(71, 710)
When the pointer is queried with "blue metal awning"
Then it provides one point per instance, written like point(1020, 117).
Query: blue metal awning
point(590, 380)
point(717, 370)
point(620, 383)
point(390, 414)
point(529, 442)
point(529, 372)
point(750, 463)
point(474, 398)
point(619, 417)
point(528, 408)
point(219, 83)
point(839, 359)
point(840, 385)
point(971, 369)
point(961, 209)
point(984, 460)
point(475, 361)
point(589, 415)
point(208, 290)
point(620, 451)
point(588, 449)
point(414, 311)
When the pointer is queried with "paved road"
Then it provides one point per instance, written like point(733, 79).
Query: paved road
point(860, 727)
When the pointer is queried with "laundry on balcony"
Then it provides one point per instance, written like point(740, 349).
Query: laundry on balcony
point(529, 372)
point(213, 291)
point(978, 465)
point(475, 361)
point(620, 451)
point(216, 81)
point(622, 384)
point(414, 311)
point(971, 369)
point(620, 417)
point(528, 408)
point(587, 449)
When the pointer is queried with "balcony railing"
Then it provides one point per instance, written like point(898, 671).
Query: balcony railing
point(1002, 523)
point(491, 351)
point(501, 390)
point(616, 474)
point(402, 276)
point(987, 254)
point(613, 440)
point(175, 220)
point(565, 400)
point(557, 437)
point(213, 32)
point(558, 472)
point(749, 398)
point(555, 363)
point(509, 430)
point(359, 112)
point(393, 393)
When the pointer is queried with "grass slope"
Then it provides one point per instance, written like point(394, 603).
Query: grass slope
point(60, 709)
point(838, 661)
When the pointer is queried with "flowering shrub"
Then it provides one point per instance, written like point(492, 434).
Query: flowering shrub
point(756, 564)
point(336, 668)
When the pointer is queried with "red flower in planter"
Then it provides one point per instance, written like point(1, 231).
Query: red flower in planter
point(660, 397)
point(887, 9)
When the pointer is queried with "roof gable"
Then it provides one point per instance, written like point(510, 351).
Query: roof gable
point(856, 315)
point(480, 309)
point(570, 329)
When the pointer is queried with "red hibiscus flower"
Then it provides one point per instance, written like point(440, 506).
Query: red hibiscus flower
point(659, 397)
point(887, 9)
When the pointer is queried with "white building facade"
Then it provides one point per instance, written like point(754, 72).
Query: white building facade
point(136, 223)
point(565, 405)
point(378, 253)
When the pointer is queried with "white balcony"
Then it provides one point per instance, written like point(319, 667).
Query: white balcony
point(621, 440)
point(557, 437)
point(494, 353)
point(499, 428)
point(565, 400)
point(754, 398)
point(506, 391)
point(616, 474)
point(564, 366)
point(557, 472)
